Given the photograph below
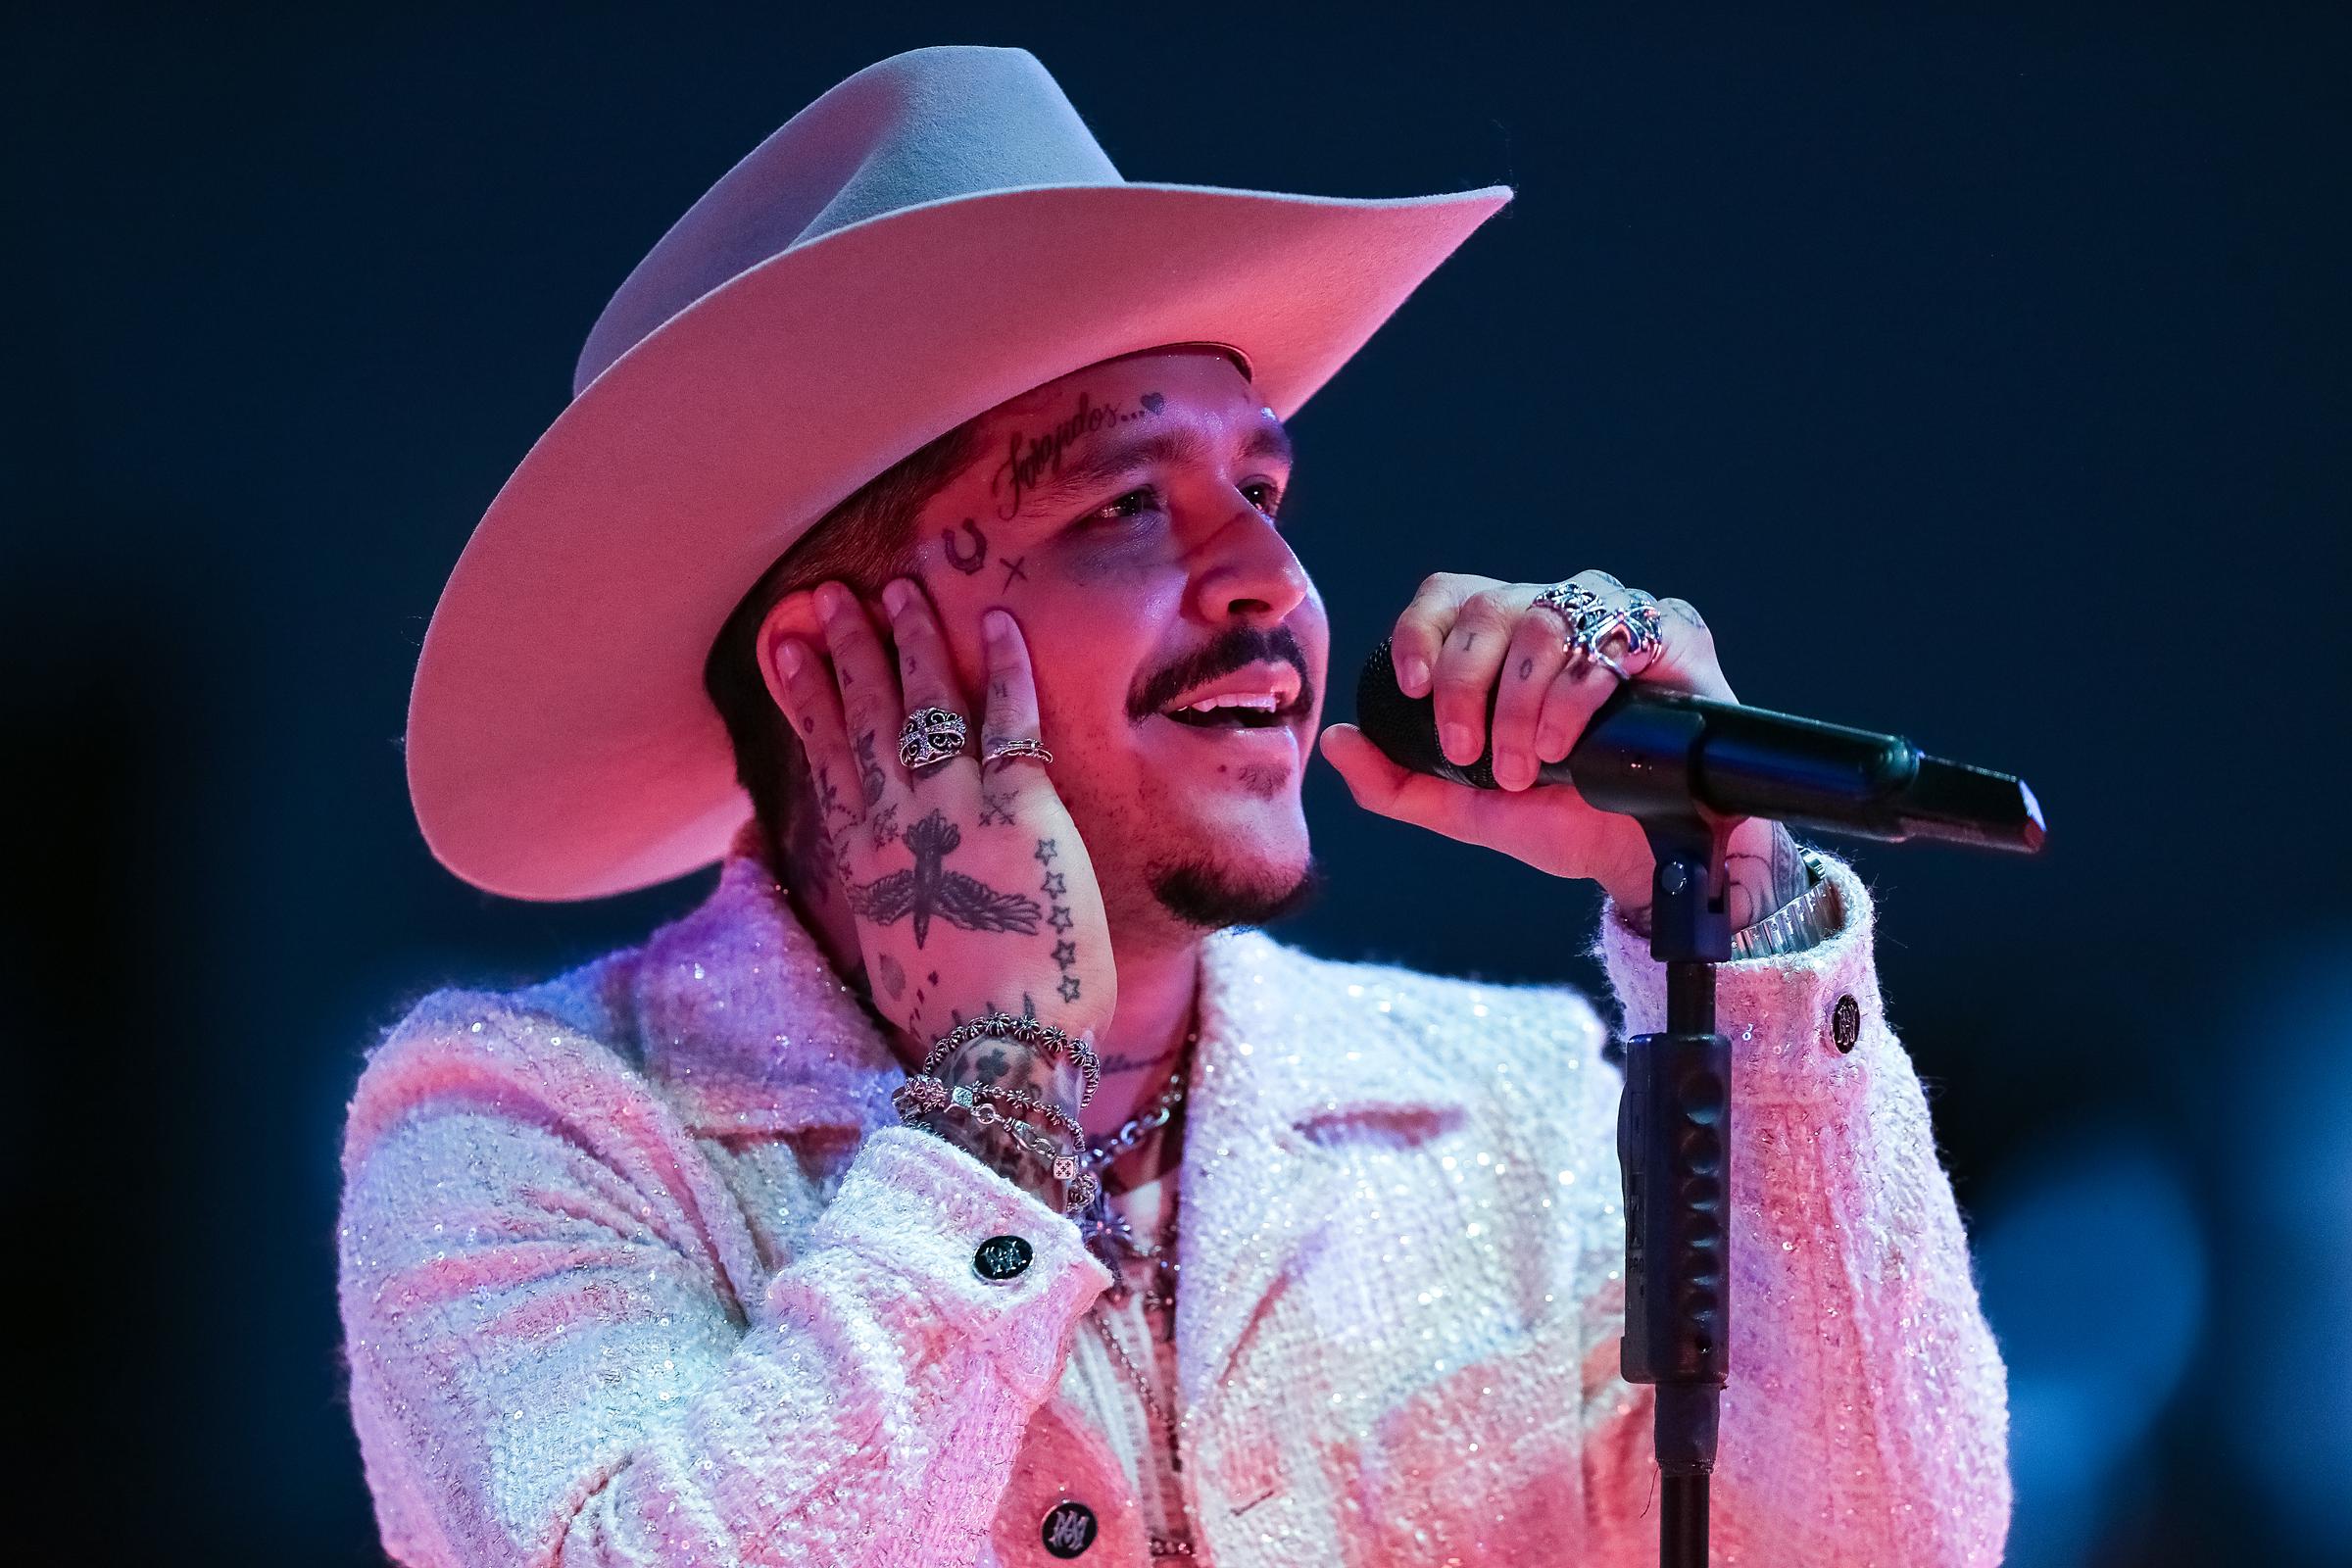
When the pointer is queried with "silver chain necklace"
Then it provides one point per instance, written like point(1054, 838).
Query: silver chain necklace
point(1105, 1230)
point(1108, 1234)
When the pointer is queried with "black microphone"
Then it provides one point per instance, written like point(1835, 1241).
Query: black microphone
point(1652, 752)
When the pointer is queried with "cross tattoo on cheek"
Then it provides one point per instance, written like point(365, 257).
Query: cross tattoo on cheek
point(1012, 569)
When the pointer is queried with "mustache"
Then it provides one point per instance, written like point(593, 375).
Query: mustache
point(1235, 647)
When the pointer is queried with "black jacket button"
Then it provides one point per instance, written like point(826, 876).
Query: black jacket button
point(1069, 1529)
point(1846, 1022)
point(1001, 1258)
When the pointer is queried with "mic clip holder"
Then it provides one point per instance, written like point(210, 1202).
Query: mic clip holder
point(1674, 1136)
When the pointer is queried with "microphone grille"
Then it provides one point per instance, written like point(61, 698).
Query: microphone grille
point(1405, 729)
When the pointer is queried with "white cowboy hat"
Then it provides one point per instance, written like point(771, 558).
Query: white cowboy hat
point(935, 235)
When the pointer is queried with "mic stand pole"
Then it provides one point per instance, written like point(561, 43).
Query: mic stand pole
point(1674, 1147)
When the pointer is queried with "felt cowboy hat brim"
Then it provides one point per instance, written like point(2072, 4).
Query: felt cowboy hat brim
point(560, 742)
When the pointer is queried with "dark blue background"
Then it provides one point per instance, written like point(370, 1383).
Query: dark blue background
point(1981, 378)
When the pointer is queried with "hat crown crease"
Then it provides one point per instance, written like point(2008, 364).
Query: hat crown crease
point(922, 126)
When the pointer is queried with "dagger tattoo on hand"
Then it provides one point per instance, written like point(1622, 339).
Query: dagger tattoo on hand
point(928, 888)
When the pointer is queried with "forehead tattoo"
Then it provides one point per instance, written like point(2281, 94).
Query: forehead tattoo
point(1034, 455)
point(1101, 461)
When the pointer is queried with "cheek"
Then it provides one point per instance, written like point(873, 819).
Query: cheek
point(1110, 561)
point(1089, 650)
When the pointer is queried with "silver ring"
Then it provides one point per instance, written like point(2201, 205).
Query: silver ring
point(1636, 617)
point(1018, 751)
point(931, 736)
point(1567, 600)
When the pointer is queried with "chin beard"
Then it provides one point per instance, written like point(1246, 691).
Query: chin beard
point(1211, 896)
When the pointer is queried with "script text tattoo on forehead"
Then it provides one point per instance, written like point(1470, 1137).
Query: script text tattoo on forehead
point(1034, 455)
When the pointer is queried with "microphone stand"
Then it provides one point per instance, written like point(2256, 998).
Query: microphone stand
point(1674, 1147)
point(1674, 1123)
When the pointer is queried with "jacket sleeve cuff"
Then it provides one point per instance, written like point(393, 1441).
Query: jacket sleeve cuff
point(1804, 1026)
point(918, 1207)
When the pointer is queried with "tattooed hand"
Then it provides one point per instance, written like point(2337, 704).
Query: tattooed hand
point(1461, 635)
point(972, 891)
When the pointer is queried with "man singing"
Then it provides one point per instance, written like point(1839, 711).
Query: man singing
point(967, 1181)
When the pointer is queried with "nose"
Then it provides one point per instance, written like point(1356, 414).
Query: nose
point(1248, 573)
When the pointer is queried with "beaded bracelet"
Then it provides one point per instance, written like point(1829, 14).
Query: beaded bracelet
point(1079, 1185)
point(926, 1093)
point(1025, 1031)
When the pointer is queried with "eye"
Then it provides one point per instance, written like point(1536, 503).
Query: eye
point(1265, 495)
point(1136, 503)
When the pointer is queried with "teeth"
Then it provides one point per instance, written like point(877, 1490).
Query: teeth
point(1263, 702)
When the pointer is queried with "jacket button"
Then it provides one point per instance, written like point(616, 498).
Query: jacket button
point(1846, 1022)
point(1001, 1258)
point(1069, 1529)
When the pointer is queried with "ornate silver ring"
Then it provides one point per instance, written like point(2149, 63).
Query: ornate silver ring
point(931, 736)
point(1568, 600)
point(1634, 619)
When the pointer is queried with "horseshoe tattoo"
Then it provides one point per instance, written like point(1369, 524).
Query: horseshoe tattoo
point(968, 564)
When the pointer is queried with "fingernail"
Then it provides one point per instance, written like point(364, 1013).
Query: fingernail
point(895, 594)
point(1512, 772)
point(1460, 744)
point(996, 625)
point(1412, 674)
point(831, 600)
point(792, 656)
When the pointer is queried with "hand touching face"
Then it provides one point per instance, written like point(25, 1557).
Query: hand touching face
point(1127, 516)
point(970, 889)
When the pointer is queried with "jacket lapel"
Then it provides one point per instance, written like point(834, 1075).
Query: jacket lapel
point(747, 1026)
point(1297, 1058)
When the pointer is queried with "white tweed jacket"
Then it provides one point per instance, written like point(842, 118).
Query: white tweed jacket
point(637, 1267)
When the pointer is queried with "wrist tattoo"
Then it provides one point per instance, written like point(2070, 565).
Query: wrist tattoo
point(1758, 885)
point(1763, 884)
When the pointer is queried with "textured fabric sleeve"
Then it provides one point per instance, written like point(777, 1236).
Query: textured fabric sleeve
point(1866, 1420)
point(556, 1356)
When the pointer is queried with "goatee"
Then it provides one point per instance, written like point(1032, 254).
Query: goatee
point(1211, 896)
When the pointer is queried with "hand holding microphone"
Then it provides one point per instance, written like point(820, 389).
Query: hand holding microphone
point(1619, 700)
point(1513, 674)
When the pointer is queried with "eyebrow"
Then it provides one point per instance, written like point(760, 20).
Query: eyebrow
point(1106, 461)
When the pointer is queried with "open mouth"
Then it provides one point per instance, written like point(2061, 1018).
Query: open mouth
point(1230, 714)
point(1264, 695)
